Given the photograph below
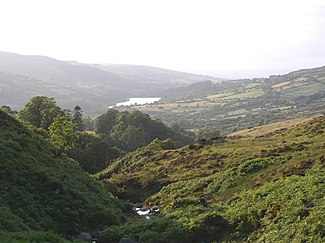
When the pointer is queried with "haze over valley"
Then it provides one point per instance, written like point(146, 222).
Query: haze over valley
point(94, 87)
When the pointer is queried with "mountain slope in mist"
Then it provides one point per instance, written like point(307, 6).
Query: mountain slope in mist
point(93, 87)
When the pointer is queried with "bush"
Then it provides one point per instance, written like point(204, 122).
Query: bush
point(155, 229)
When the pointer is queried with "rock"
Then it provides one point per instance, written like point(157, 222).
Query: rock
point(127, 240)
point(85, 236)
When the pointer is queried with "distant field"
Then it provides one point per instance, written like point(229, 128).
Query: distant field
point(232, 95)
point(265, 129)
point(239, 104)
point(280, 85)
point(217, 96)
point(306, 89)
point(238, 112)
point(250, 94)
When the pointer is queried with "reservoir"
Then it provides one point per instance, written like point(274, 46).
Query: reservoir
point(138, 101)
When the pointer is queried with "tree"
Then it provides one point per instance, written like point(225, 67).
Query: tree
point(134, 137)
point(8, 110)
point(93, 152)
point(62, 134)
point(68, 113)
point(40, 111)
point(105, 122)
point(88, 124)
point(77, 117)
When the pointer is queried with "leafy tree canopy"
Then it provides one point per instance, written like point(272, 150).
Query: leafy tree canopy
point(137, 129)
point(8, 110)
point(62, 133)
point(40, 111)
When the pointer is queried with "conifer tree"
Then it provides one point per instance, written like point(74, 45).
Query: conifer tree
point(77, 118)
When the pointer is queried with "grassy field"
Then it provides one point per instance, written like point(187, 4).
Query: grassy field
point(249, 94)
point(235, 105)
point(262, 130)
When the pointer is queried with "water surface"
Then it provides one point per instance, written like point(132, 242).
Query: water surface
point(138, 101)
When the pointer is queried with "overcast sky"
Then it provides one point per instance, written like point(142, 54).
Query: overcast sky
point(225, 38)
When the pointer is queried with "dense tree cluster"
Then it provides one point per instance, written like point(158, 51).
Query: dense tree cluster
point(114, 133)
point(40, 111)
point(136, 129)
point(8, 110)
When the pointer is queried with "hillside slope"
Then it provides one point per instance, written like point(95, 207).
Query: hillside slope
point(93, 87)
point(238, 104)
point(42, 193)
point(268, 187)
point(163, 78)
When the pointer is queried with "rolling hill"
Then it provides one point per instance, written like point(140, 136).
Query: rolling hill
point(265, 187)
point(93, 87)
point(233, 105)
point(162, 78)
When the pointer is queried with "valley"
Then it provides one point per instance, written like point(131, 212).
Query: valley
point(93, 87)
point(232, 105)
point(162, 121)
point(239, 188)
point(212, 161)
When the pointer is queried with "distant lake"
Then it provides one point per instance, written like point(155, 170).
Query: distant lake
point(138, 101)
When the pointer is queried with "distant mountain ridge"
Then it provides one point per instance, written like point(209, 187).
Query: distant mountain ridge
point(148, 74)
point(93, 87)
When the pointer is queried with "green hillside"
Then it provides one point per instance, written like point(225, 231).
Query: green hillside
point(265, 188)
point(233, 105)
point(43, 197)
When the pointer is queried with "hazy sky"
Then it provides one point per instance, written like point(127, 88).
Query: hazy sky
point(228, 38)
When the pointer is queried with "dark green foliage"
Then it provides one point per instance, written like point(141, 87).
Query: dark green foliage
point(105, 122)
point(116, 132)
point(254, 165)
point(207, 133)
point(289, 210)
point(156, 229)
point(94, 152)
point(39, 192)
point(8, 110)
point(9, 221)
point(40, 111)
point(77, 117)
point(31, 236)
point(63, 127)
point(136, 129)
